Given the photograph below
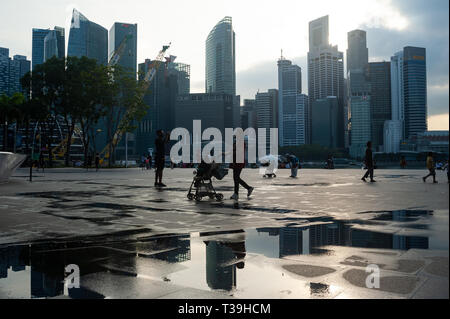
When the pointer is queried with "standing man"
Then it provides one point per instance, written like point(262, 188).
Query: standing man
point(430, 166)
point(160, 155)
point(237, 169)
point(369, 163)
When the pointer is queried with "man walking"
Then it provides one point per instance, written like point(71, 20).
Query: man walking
point(430, 166)
point(160, 156)
point(369, 163)
point(237, 169)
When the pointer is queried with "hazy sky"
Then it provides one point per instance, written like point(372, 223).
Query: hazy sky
point(263, 28)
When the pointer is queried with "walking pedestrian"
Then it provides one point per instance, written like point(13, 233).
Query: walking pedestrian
point(446, 168)
point(237, 169)
point(161, 140)
point(97, 162)
point(431, 169)
point(369, 163)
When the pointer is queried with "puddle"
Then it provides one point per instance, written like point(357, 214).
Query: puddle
point(250, 263)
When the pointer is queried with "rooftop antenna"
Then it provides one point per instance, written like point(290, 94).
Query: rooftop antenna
point(281, 58)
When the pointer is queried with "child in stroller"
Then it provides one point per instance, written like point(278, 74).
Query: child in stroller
point(202, 181)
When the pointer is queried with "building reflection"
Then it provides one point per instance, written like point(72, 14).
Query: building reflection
point(223, 258)
point(174, 249)
point(45, 263)
point(14, 257)
point(308, 239)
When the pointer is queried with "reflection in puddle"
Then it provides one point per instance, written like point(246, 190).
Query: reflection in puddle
point(241, 263)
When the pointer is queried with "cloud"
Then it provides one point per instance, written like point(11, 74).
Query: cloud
point(438, 122)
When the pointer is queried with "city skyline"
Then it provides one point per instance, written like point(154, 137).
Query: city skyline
point(255, 58)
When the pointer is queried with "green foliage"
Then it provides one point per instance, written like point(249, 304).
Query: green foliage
point(81, 91)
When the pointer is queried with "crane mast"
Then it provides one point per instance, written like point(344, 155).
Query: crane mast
point(152, 68)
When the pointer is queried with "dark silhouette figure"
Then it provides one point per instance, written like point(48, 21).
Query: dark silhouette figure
point(369, 163)
point(161, 140)
point(97, 162)
point(89, 162)
point(41, 161)
point(237, 169)
point(330, 162)
point(431, 169)
point(403, 162)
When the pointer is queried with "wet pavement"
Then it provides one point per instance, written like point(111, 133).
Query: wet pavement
point(311, 237)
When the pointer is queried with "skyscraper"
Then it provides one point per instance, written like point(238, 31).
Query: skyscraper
point(357, 52)
point(408, 96)
point(293, 110)
point(54, 44)
point(325, 115)
point(394, 128)
point(161, 99)
point(220, 59)
point(397, 88)
point(37, 55)
point(4, 70)
point(117, 34)
point(358, 96)
point(380, 100)
point(47, 43)
point(88, 39)
point(11, 72)
point(415, 90)
point(183, 74)
point(249, 114)
point(326, 70)
point(267, 111)
point(360, 103)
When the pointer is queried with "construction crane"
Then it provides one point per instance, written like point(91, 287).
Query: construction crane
point(152, 68)
point(119, 52)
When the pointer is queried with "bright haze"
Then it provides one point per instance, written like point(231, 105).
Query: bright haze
point(263, 28)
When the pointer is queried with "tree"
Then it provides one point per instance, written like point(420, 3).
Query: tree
point(125, 105)
point(47, 86)
point(89, 82)
point(10, 112)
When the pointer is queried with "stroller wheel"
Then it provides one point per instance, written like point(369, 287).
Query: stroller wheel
point(219, 197)
point(198, 198)
point(190, 196)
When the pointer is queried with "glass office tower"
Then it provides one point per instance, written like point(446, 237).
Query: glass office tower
point(220, 59)
point(88, 39)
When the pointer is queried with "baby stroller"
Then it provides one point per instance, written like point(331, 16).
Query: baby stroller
point(202, 186)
